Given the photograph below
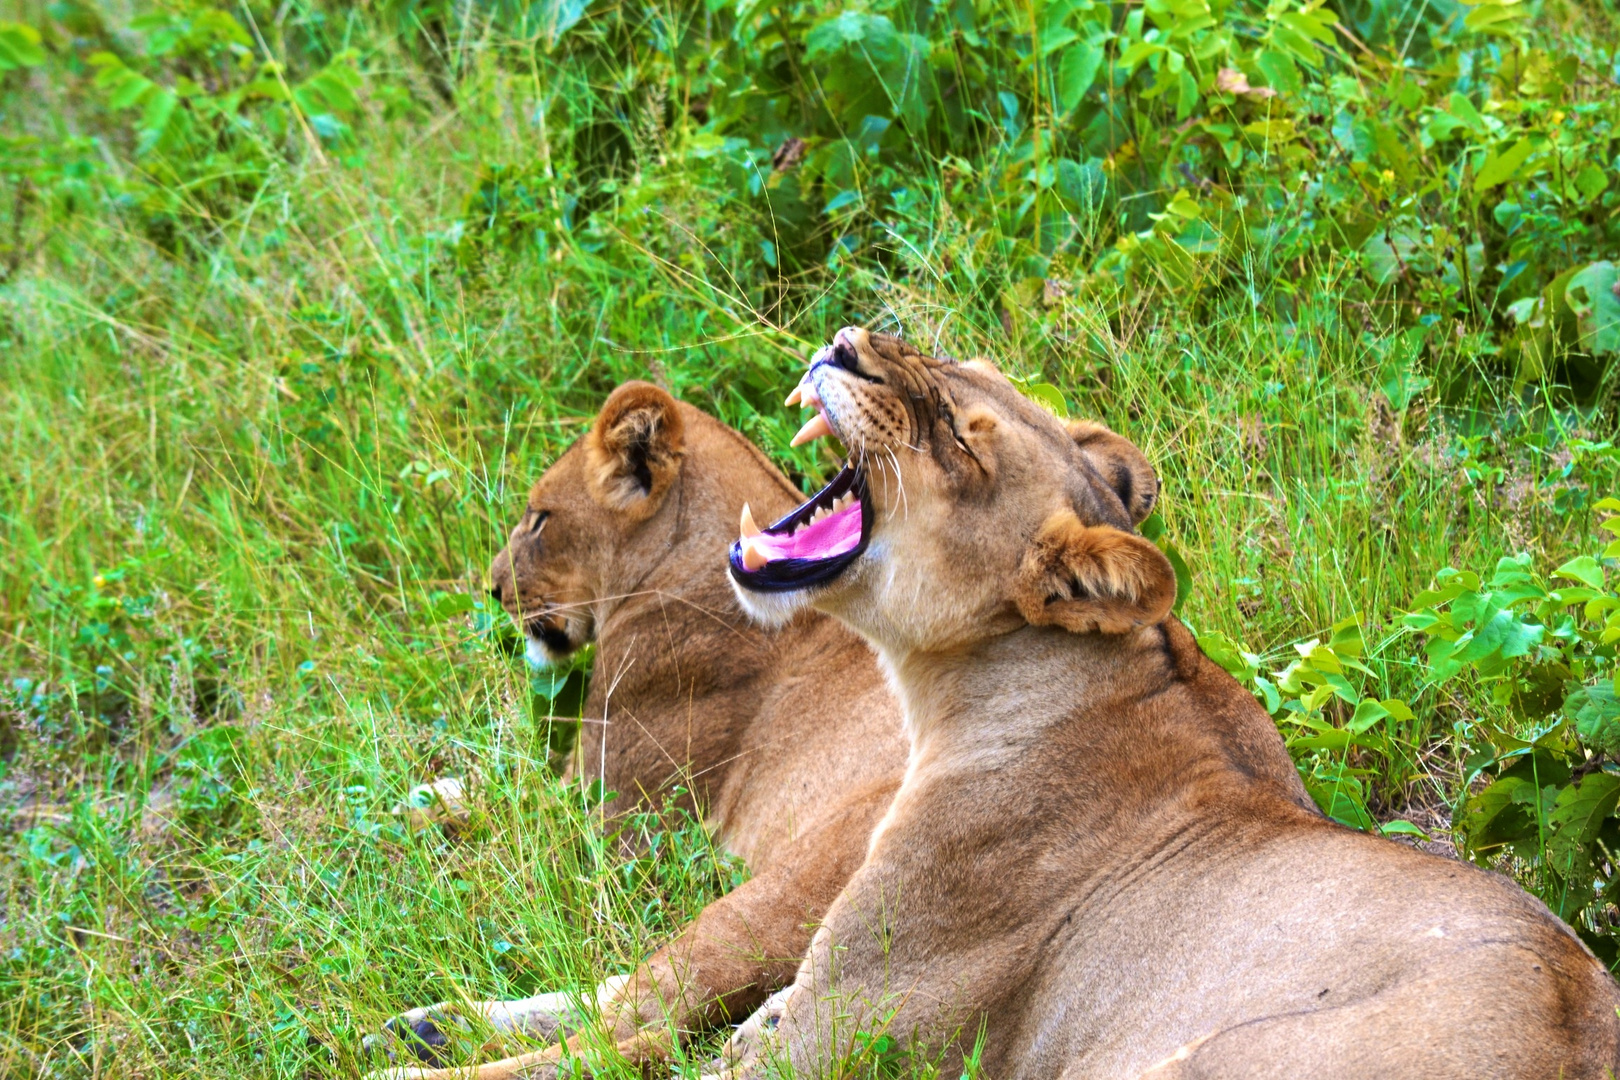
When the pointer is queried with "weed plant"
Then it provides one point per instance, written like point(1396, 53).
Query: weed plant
point(295, 300)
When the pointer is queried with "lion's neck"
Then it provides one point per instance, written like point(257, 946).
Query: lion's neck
point(672, 655)
point(996, 698)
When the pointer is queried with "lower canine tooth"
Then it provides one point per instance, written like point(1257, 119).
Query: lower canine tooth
point(752, 557)
point(813, 429)
point(748, 527)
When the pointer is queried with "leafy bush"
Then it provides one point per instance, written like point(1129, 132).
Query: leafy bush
point(1541, 771)
point(1542, 776)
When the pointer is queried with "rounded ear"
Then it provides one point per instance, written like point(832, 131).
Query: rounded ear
point(633, 451)
point(1121, 465)
point(1093, 577)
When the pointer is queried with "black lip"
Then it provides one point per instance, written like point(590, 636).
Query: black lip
point(788, 575)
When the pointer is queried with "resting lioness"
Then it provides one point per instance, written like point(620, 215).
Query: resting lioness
point(1101, 849)
point(787, 738)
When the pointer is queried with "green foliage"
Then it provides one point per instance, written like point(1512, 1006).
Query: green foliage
point(1542, 777)
point(1334, 733)
point(297, 299)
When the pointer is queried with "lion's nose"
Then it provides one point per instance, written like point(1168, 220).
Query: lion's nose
point(843, 353)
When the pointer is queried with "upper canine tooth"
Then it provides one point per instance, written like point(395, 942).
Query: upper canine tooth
point(813, 429)
point(794, 398)
point(752, 557)
point(748, 527)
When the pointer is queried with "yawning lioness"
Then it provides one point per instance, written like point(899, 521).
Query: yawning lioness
point(1101, 851)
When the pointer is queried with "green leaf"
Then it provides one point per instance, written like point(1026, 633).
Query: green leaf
point(1399, 827)
point(19, 46)
point(1339, 794)
point(1463, 109)
point(155, 118)
point(1500, 632)
point(448, 605)
point(1368, 713)
point(1077, 71)
point(1584, 569)
point(1580, 813)
point(1591, 182)
point(1497, 816)
point(1591, 295)
point(1049, 397)
point(1241, 664)
point(1584, 806)
point(1596, 712)
point(1500, 168)
point(1281, 73)
point(1184, 577)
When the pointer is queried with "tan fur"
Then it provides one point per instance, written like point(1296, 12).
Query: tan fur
point(1101, 851)
point(787, 738)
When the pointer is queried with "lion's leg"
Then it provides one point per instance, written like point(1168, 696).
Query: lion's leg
point(552, 1063)
point(720, 967)
point(749, 942)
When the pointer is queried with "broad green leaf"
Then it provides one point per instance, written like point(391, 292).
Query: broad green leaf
point(1281, 73)
point(1497, 816)
point(1241, 664)
point(155, 118)
point(1368, 713)
point(1500, 632)
point(1582, 807)
point(19, 46)
point(1591, 295)
point(1596, 712)
point(1584, 569)
point(1463, 109)
point(1398, 709)
point(1500, 168)
point(1579, 814)
point(1591, 182)
point(1049, 397)
point(1339, 794)
point(1077, 71)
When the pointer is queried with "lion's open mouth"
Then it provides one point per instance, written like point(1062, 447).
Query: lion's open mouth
point(812, 544)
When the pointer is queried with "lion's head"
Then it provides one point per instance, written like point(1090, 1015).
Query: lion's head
point(585, 516)
point(965, 510)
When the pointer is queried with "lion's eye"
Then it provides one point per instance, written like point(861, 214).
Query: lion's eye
point(538, 520)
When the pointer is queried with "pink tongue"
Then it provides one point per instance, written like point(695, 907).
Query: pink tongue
point(832, 535)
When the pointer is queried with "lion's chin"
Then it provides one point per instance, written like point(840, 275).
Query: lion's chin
point(538, 656)
point(771, 608)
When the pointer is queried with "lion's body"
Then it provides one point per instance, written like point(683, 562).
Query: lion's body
point(790, 769)
point(1101, 851)
point(1108, 883)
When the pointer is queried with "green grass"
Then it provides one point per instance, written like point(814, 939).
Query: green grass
point(245, 469)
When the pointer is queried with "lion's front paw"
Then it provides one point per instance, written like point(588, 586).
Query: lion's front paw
point(749, 1046)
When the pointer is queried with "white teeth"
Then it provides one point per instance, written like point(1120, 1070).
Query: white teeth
point(813, 429)
point(793, 398)
point(752, 557)
point(748, 528)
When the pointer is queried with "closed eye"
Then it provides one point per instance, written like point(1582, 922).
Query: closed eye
point(538, 522)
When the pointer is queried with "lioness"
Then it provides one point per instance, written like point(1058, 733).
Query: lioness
point(1101, 848)
point(788, 738)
